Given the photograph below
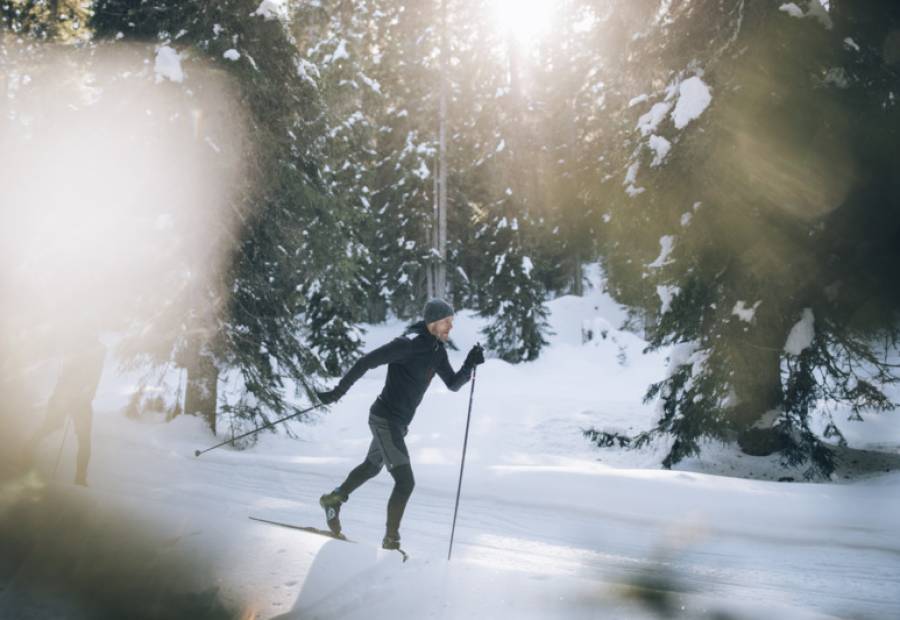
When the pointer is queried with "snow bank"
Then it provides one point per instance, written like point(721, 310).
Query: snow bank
point(548, 526)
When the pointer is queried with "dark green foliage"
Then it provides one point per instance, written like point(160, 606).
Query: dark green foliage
point(57, 20)
point(781, 197)
point(605, 439)
point(778, 198)
point(288, 234)
point(329, 328)
point(402, 198)
point(515, 302)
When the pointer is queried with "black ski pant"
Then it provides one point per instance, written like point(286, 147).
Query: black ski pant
point(387, 448)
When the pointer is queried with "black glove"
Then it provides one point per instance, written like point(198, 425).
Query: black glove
point(329, 396)
point(475, 356)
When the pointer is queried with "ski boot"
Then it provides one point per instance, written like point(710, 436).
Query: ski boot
point(391, 541)
point(331, 502)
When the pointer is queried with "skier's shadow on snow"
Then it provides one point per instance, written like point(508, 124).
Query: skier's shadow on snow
point(332, 582)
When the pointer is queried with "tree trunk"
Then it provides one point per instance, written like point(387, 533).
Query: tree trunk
point(432, 236)
point(577, 275)
point(758, 387)
point(201, 392)
point(440, 280)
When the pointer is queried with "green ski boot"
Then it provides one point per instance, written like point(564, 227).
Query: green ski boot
point(331, 502)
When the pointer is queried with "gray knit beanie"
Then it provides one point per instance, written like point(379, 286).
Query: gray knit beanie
point(437, 309)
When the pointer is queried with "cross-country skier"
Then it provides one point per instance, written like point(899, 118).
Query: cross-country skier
point(76, 387)
point(412, 361)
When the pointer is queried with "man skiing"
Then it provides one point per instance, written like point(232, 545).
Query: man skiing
point(76, 387)
point(412, 360)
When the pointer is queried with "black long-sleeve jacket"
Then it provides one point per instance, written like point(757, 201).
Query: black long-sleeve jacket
point(412, 362)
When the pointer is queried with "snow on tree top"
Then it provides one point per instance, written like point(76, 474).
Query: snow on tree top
point(631, 174)
point(648, 123)
point(849, 43)
point(743, 312)
point(630, 177)
point(792, 9)
point(271, 9)
point(817, 9)
point(307, 71)
point(693, 99)
point(636, 100)
point(422, 171)
point(340, 52)
point(660, 147)
point(168, 65)
point(687, 353)
point(802, 334)
point(527, 266)
point(373, 84)
point(666, 243)
point(231, 54)
point(666, 294)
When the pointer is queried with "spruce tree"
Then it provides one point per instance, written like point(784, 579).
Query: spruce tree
point(499, 189)
point(403, 189)
point(288, 235)
point(753, 212)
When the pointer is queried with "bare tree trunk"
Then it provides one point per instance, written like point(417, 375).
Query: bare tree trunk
point(573, 203)
point(440, 280)
point(432, 237)
point(513, 137)
point(577, 275)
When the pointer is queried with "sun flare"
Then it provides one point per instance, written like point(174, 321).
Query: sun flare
point(524, 19)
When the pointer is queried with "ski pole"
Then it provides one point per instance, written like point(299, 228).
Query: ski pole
point(256, 430)
point(462, 465)
point(61, 444)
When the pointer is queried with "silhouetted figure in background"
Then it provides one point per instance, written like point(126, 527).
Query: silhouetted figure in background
point(82, 366)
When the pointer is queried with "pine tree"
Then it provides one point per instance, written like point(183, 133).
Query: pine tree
point(288, 234)
point(403, 190)
point(515, 299)
point(337, 40)
point(741, 221)
point(566, 100)
point(493, 171)
point(53, 20)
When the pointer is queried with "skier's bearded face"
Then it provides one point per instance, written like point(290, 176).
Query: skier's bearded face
point(441, 329)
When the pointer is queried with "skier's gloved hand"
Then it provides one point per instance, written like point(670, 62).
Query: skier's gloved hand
point(475, 356)
point(329, 396)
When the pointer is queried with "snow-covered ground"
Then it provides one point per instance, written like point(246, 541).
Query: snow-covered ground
point(548, 527)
